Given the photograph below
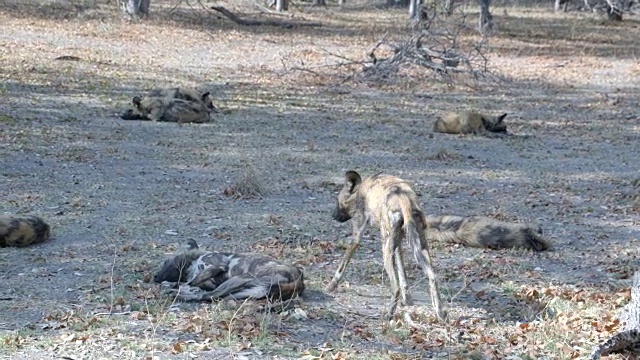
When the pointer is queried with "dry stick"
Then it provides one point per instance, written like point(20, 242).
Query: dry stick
point(248, 22)
point(113, 265)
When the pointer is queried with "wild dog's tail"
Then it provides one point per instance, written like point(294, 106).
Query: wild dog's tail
point(421, 253)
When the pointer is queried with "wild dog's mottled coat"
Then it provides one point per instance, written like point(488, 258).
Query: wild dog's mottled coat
point(171, 110)
point(187, 94)
point(231, 276)
point(390, 203)
point(484, 232)
point(20, 231)
point(470, 122)
point(182, 105)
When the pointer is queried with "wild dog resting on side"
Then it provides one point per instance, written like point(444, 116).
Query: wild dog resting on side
point(390, 203)
point(231, 276)
point(172, 105)
point(470, 122)
point(20, 231)
point(186, 94)
point(170, 110)
point(485, 232)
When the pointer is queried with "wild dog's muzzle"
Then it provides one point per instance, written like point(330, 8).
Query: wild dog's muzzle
point(340, 214)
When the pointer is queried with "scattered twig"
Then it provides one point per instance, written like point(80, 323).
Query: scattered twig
point(111, 313)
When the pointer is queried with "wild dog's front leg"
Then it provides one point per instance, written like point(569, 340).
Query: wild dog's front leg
point(209, 278)
point(359, 225)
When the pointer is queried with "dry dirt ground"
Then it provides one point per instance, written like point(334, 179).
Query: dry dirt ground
point(122, 195)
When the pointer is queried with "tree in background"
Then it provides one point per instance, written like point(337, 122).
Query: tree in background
point(137, 8)
point(282, 5)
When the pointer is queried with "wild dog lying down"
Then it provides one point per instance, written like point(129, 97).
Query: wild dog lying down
point(485, 232)
point(168, 110)
point(172, 105)
point(390, 203)
point(226, 276)
point(470, 122)
point(186, 94)
point(20, 231)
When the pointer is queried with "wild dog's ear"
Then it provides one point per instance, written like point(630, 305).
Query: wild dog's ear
point(191, 244)
point(500, 118)
point(136, 100)
point(205, 95)
point(353, 179)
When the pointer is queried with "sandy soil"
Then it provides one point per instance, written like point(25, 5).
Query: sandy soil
point(121, 195)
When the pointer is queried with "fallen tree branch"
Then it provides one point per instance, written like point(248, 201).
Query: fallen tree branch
point(269, 22)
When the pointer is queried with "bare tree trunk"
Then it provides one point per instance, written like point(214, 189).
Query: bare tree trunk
point(560, 5)
point(486, 19)
point(614, 11)
point(282, 5)
point(319, 3)
point(414, 6)
point(137, 8)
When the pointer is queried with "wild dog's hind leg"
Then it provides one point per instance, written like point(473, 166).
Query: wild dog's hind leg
point(423, 258)
point(359, 225)
point(389, 257)
point(402, 277)
point(398, 234)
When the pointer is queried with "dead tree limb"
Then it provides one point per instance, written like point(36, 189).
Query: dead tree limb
point(628, 339)
point(268, 22)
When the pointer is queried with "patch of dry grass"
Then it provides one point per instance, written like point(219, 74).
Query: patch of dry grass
point(250, 185)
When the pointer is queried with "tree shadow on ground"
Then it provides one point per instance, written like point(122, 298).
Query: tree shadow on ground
point(116, 183)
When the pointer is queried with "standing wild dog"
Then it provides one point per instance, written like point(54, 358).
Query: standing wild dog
point(390, 203)
point(172, 105)
point(484, 232)
point(470, 122)
point(20, 231)
point(231, 276)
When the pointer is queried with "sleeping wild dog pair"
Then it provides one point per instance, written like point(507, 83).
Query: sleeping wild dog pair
point(228, 276)
point(22, 230)
point(181, 105)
